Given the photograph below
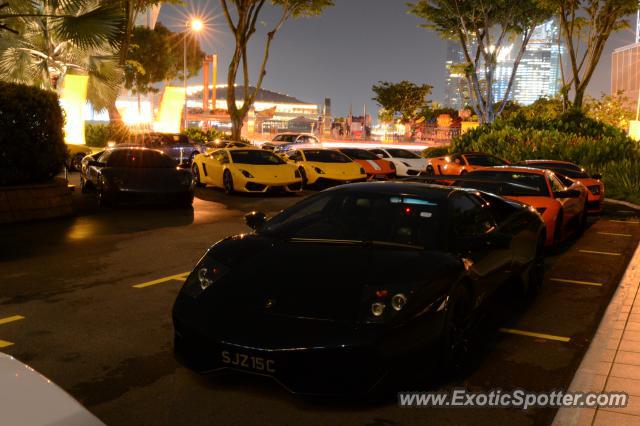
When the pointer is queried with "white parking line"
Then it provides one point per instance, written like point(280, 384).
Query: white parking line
point(625, 221)
point(615, 234)
point(604, 253)
point(562, 280)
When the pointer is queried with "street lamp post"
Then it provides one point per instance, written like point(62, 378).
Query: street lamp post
point(194, 25)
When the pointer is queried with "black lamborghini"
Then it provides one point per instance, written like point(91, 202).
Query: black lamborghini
point(337, 293)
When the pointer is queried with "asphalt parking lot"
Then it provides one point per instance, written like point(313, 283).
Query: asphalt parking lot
point(87, 302)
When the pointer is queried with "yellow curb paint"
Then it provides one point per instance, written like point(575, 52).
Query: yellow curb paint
point(614, 234)
point(537, 335)
point(604, 253)
point(562, 280)
point(4, 344)
point(11, 319)
point(176, 277)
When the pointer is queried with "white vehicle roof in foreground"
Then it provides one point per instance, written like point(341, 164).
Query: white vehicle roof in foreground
point(29, 398)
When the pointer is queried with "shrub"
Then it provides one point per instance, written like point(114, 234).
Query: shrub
point(201, 136)
point(435, 151)
point(98, 135)
point(32, 147)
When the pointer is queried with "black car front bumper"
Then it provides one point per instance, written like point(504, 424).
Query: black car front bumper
point(310, 357)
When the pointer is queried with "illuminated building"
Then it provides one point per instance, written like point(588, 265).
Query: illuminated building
point(538, 73)
point(625, 72)
point(72, 101)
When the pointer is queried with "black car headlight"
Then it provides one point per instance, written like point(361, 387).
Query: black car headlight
point(206, 273)
point(246, 174)
point(318, 170)
point(595, 189)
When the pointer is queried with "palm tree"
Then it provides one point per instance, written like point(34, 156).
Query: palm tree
point(51, 38)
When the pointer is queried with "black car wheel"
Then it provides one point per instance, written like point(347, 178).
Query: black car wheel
point(84, 188)
point(464, 172)
point(196, 175)
point(303, 175)
point(227, 181)
point(76, 162)
point(456, 332)
point(534, 277)
point(557, 231)
point(103, 196)
point(582, 220)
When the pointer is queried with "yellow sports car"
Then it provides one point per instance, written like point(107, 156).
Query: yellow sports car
point(245, 170)
point(325, 166)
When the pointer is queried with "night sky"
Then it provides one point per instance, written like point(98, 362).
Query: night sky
point(342, 53)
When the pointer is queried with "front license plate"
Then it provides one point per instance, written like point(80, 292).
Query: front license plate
point(249, 362)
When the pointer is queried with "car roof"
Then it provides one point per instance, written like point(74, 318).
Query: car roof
point(547, 162)
point(433, 191)
point(245, 148)
point(513, 169)
point(296, 134)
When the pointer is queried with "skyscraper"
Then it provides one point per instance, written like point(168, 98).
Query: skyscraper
point(538, 73)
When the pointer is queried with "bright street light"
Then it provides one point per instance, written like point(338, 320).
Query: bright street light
point(195, 25)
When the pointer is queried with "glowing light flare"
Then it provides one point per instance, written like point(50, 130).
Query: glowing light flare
point(634, 129)
point(72, 100)
point(169, 116)
point(196, 25)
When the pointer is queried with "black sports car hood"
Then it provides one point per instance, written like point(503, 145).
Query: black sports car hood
point(317, 279)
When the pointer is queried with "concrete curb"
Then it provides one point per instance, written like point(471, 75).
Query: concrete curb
point(591, 376)
point(622, 203)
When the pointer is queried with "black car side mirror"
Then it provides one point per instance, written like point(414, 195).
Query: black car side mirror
point(596, 176)
point(569, 193)
point(255, 220)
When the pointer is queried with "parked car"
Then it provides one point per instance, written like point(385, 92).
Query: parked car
point(286, 141)
point(126, 174)
point(374, 166)
point(29, 398)
point(177, 146)
point(407, 163)
point(459, 164)
point(341, 320)
point(563, 208)
point(246, 170)
point(594, 184)
point(76, 154)
point(325, 167)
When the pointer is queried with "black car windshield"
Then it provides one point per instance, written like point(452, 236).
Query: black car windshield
point(167, 139)
point(516, 184)
point(562, 169)
point(359, 154)
point(361, 217)
point(140, 158)
point(325, 156)
point(286, 138)
point(484, 160)
point(402, 153)
point(256, 157)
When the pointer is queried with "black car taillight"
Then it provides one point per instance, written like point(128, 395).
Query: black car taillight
point(381, 305)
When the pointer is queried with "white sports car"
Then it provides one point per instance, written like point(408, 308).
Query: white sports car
point(29, 398)
point(407, 163)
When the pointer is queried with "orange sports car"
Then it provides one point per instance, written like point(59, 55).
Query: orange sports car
point(563, 209)
point(594, 183)
point(374, 166)
point(459, 164)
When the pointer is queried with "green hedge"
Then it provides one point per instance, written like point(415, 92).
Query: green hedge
point(571, 136)
point(32, 147)
point(98, 135)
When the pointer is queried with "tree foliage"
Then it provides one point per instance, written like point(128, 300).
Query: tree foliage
point(145, 66)
point(586, 26)
point(51, 38)
point(483, 28)
point(404, 100)
point(242, 17)
point(612, 110)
